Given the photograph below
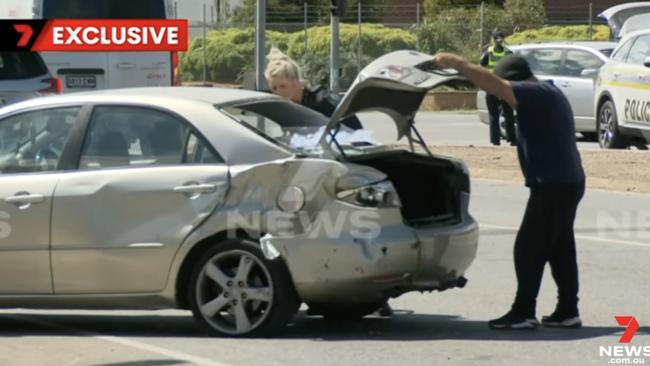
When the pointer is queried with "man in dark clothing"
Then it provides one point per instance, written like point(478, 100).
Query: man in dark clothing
point(552, 167)
point(495, 105)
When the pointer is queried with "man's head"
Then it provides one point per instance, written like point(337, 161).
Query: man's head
point(498, 37)
point(514, 68)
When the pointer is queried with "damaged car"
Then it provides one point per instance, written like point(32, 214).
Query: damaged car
point(236, 205)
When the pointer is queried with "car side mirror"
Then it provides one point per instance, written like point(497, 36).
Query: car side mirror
point(589, 73)
point(646, 62)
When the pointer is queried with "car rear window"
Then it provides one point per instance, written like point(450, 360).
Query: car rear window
point(104, 9)
point(21, 65)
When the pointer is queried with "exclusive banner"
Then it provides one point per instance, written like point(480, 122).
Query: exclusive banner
point(94, 35)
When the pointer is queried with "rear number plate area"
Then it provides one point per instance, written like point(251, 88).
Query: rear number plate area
point(81, 82)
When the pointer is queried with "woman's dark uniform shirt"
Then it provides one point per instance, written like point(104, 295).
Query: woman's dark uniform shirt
point(321, 100)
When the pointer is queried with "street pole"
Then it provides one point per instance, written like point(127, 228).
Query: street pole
point(417, 28)
point(480, 47)
point(334, 54)
point(591, 21)
point(260, 25)
point(205, 45)
point(359, 49)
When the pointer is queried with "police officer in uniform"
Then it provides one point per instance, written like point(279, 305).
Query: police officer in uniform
point(496, 106)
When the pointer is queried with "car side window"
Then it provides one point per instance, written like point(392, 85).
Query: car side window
point(133, 136)
point(621, 54)
point(577, 61)
point(197, 152)
point(640, 50)
point(34, 141)
point(544, 61)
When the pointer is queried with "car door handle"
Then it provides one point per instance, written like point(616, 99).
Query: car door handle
point(126, 65)
point(565, 84)
point(196, 188)
point(24, 199)
point(642, 76)
point(616, 74)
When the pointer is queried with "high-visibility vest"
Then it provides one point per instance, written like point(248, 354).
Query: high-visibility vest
point(494, 56)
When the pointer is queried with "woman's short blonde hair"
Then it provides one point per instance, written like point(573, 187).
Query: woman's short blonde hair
point(281, 65)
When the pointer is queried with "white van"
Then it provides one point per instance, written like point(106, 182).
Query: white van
point(83, 71)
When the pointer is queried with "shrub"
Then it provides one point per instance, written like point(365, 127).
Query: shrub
point(560, 33)
point(230, 52)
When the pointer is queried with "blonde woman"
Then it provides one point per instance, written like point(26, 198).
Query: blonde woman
point(284, 77)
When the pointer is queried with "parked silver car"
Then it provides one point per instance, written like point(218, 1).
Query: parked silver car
point(572, 66)
point(23, 75)
point(237, 205)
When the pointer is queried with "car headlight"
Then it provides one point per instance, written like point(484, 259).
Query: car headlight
point(381, 194)
point(291, 199)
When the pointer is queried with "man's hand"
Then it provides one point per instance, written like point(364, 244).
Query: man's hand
point(449, 60)
point(479, 76)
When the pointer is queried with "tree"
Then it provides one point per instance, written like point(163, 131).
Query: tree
point(525, 14)
point(433, 8)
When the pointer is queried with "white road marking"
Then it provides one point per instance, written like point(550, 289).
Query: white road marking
point(583, 237)
point(180, 356)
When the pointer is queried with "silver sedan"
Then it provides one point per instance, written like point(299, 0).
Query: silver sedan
point(236, 205)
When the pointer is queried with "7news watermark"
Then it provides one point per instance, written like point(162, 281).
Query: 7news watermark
point(623, 353)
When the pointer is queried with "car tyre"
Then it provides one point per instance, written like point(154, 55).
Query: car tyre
point(609, 135)
point(345, 311)
point(236, 292)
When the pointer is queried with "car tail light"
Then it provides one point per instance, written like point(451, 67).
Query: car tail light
point(176, 80)
point(56, 86)
point(382, 194)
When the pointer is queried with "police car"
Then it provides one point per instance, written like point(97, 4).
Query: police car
point(622, 95)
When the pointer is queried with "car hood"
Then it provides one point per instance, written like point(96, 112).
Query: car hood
point(395, 84)
point(617, 15)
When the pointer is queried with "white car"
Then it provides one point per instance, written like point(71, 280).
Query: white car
point(617, 17)
point(572, 66)
point(622, 98)
point(86, 71)
point(23, 75)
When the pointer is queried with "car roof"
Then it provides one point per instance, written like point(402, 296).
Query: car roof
point(154, 95)
point(595, 45)
point(236, 143)
point(634, 34)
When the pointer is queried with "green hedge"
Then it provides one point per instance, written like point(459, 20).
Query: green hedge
point(230, 52)
point(560, 33)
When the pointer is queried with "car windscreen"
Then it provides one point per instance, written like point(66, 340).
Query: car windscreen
point(104, 9)
point(21, 65)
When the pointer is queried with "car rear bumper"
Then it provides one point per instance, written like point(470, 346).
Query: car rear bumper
point(400, 259)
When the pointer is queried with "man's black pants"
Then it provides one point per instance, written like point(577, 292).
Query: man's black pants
point(495, 107)
point(546, 235)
